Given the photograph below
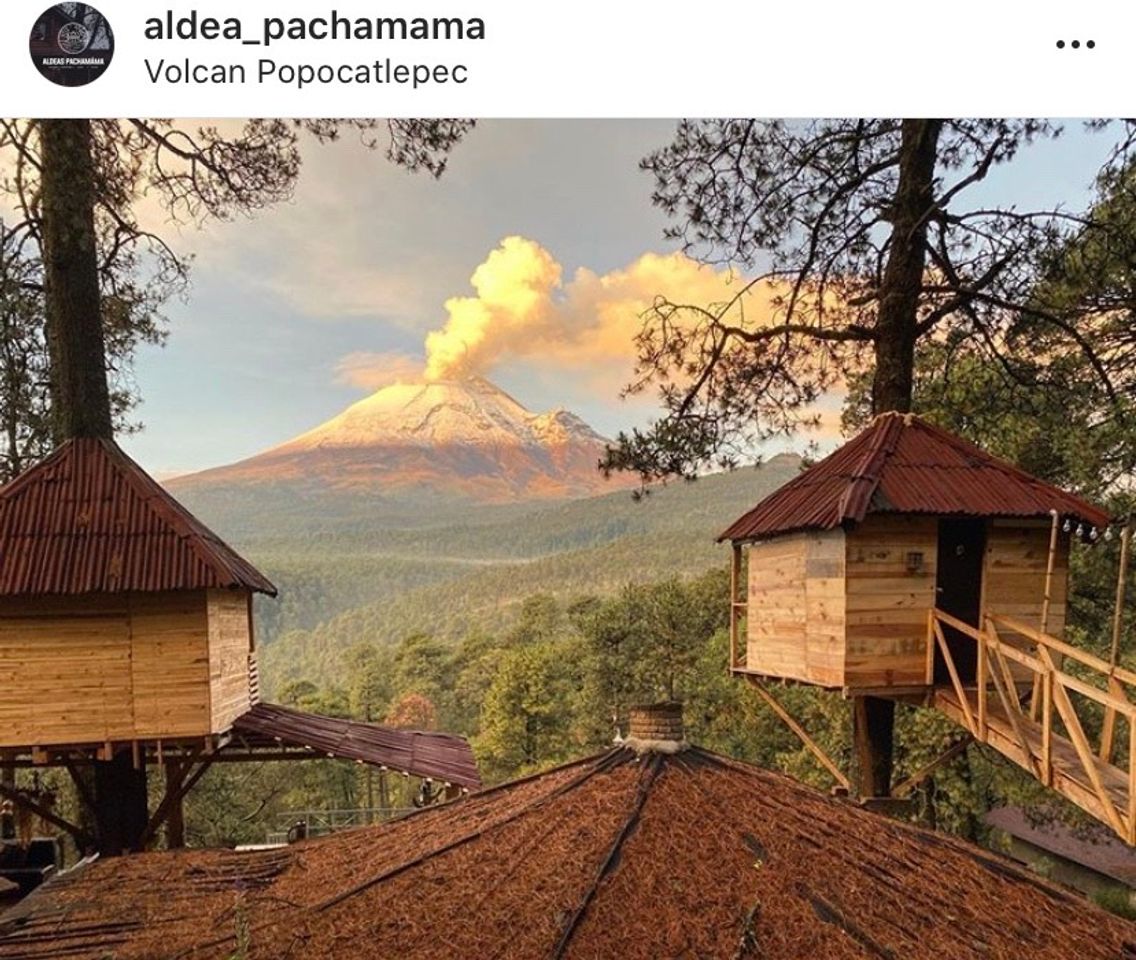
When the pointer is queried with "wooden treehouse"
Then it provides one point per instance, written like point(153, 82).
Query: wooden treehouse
point(126, 630)
point(911, 565)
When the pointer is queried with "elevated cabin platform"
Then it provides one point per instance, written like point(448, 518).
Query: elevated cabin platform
point(836, 573)
point(912, 566)
point(847, 609)
point(125, 666)
point(126, 639)
point(122, 617)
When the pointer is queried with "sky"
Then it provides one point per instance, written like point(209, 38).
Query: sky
point(530, 259)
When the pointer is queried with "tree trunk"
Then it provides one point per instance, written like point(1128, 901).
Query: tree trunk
point(121, 812)
point(80, 397)
point(903, 273)
point(896, 332)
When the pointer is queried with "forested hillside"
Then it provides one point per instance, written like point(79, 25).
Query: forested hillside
point(445, 572)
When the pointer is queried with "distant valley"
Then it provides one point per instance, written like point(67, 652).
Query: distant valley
point(362, 552)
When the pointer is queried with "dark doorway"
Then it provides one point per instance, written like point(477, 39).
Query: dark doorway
point(958, 591)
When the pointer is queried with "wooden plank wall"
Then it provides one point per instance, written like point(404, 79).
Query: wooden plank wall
point(230, 642)
point(887, 605)
point(795, 607)
point(1017, 552)
point(826, 606)
point(65, 674)
point(93, 669)
point(170, 664)
point(776, 608)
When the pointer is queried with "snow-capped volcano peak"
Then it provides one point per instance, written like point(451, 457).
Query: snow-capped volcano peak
point(473, 412)
point(465, 436)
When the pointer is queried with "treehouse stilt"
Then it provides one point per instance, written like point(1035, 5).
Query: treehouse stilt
point(911, 566)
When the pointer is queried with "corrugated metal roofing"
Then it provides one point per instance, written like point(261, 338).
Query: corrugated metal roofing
point(903, 464)
point(88, 519)
point(439, 756)
point(615, 858)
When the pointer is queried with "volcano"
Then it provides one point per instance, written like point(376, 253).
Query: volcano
point(463, 439)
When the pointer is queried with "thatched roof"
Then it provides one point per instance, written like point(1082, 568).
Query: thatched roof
point(617, 856)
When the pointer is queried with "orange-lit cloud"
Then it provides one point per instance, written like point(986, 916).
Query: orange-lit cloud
point(523, 308)
point(373, 371)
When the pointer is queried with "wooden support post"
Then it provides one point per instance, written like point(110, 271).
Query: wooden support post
point(1108, 728)
point(812, 745)
point(873, 730)
point(930, 652)
point(82, 785)
point(1131, 783)
point(980, 676)
point(1050, 563)
point(735, 604)
point(1121, 592)
point(120, 804)
point(175, 794)
point(175, 819)
point(1047, 728)
point(1046, 602)
point(7, 823)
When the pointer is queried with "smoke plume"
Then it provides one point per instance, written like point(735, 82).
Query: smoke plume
point(524, 308)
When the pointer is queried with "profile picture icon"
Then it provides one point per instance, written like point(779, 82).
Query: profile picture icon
point(71, 44)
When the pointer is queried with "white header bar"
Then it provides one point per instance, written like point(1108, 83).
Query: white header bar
point(615, 58)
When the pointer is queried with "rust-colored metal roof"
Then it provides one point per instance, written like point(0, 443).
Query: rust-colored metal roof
point(616, 857)
point(88, 519)
point(1091, 846)
point(903, 464)
point(438, 756)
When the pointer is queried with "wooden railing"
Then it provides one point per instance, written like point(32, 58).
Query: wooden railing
point(1032, 689)
point(254, 677)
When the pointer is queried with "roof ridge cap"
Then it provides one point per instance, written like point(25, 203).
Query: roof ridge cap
point(882, 435)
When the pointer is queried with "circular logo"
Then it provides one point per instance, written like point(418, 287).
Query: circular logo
point(73, 38)
point(71, 44)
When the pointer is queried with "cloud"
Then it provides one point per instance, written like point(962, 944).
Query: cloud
point(524, 309)
point(373, 371)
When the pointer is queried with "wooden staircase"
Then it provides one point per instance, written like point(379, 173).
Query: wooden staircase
point(1058, 712)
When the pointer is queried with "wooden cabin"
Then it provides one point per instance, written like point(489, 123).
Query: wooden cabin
point(122, 617)
point(847, 561)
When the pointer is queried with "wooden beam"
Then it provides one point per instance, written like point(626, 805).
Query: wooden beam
point(81, 838)
point(82, 788)
point(1012, 708)
point(175, 792)
point(1108, 728)
point(964, 702)
point(812, 745)
point(925, 771)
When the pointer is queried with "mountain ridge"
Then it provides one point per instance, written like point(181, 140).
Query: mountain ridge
point(466, 440)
